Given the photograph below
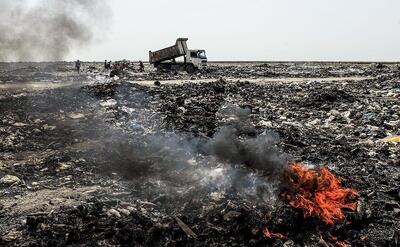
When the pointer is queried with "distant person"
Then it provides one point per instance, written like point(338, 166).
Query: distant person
point(141, 66)
point(109, 65)
point(105, 64)
point(78, 66)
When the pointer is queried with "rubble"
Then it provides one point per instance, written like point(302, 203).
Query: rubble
point(9, 180)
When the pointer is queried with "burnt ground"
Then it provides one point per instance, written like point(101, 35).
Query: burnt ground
point(92, 161)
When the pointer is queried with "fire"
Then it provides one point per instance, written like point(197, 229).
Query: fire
point(319, 193)
point(268, 234)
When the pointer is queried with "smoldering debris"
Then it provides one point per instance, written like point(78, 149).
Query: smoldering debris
point(25, 27)
point(226, 162)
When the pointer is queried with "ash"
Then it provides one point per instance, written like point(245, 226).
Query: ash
point(194, 160)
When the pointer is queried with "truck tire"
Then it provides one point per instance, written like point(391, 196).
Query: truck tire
point(190, 68)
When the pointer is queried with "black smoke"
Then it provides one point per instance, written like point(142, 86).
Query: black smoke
point(239, 143)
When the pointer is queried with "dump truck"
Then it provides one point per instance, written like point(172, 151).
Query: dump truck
point(164, 59)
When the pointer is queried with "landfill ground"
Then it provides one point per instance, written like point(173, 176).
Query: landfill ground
point(140, 159)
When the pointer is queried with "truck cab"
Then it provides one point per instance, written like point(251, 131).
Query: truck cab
point(197, 57)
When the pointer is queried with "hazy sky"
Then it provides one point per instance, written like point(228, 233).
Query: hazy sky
point(254, 29)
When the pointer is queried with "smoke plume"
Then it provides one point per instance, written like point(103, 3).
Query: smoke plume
point(233, 144)
point(33, 30)
point(230, 161)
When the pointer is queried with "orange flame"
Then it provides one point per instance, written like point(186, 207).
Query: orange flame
point(268, 234)
point(319, 193)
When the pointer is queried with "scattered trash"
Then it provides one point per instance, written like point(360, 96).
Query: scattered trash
point(9, 180)
point(392, 139)
point(113, 134)
point(185, 228)
point(76, 115)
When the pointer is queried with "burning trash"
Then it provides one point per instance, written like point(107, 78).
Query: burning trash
point(319, 193)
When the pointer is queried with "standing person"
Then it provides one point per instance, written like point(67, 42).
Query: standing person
point(78, 66)
point(105, 64)
point(109, 65)
point(141, 66)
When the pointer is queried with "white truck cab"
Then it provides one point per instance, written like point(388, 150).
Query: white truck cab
point(197, 57)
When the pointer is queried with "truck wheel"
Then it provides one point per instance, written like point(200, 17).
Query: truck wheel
point(190, 68)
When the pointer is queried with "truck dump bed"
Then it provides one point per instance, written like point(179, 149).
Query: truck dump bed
point(177, 50)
